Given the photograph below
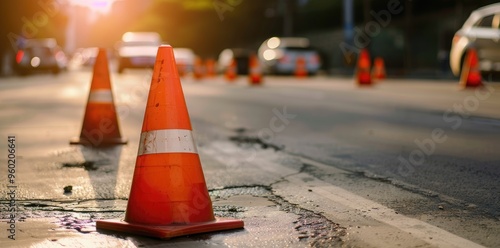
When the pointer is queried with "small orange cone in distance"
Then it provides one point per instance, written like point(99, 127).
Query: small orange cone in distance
point(378, 68)
point(210, 66)
point(300, 67)
point(255, 71)
point(231, 71)
point(100, 123)
point(471, 75)
point(169, 196)
point(181, 68)
point(199, 68)
point(363, 75)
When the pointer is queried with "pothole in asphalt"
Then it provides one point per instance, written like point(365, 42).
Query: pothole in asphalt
point(243, 138)
point(87, 165)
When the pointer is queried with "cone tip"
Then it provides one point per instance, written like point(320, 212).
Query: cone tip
point(164, 46)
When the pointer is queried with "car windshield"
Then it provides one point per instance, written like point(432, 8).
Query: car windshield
point(485, 22)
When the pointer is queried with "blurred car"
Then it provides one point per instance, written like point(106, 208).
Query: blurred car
point(279, 55)
point(138, 50)
point(481, 31)
point(184, 57)
point(241, 56)
point(40, 55)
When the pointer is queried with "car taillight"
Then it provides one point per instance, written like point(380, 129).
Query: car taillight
point(19, 56)
point(456, 38)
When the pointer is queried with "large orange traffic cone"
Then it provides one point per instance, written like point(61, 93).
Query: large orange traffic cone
point(363, 75)
point(231, 71)
point(471, 75)
point(378, 71)
point(169, 196)
point(255, 71)
point(100, 123)
point(300, 67)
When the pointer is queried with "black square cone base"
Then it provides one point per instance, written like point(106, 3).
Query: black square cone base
point(170, 231)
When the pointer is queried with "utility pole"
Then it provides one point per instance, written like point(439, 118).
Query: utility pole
point(348, 21)
point(348, 14)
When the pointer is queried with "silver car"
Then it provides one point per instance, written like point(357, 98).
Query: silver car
point(138, 50)
point(279, 55)
point(480, 31)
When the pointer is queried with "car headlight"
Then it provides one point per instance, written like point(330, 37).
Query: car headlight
point(269, 54)
point(35, 61)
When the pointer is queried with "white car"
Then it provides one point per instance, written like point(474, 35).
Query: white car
point(482, 32)
point(184, 57)
point(138, 50)
point(279, 55)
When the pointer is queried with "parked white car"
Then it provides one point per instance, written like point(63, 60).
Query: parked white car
point(138, 50)
point(482, 32)
point(185, 57)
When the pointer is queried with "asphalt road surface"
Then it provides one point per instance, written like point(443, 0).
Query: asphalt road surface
point(423, 149)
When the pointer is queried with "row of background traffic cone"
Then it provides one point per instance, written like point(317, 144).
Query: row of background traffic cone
point(364, 73)
point(470, 76)
point(208, 69)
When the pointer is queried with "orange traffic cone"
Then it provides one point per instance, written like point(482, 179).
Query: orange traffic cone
point(471, 76)
point(210, 66)
point(100, 123)
point(300, 67)
point(255, 72)
point(378, 68)
point(199, 69)
point(363, 76)
point(169, 196)
point(231, 71)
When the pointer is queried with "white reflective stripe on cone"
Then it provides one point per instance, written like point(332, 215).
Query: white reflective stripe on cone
point(167, 141)
point(103, 96)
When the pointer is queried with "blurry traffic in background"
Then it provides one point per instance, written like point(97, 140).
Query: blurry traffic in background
point(415, 38)
point(39, 54)
point(481, 31)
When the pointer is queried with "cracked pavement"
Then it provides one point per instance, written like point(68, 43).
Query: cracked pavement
point(288, 192)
